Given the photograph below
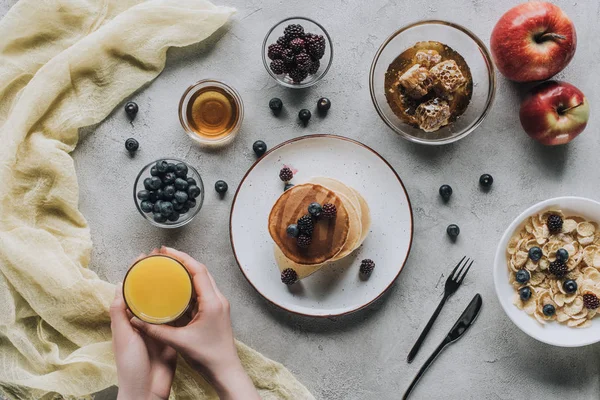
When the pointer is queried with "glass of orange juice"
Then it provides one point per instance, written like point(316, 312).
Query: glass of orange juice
point(158, 289)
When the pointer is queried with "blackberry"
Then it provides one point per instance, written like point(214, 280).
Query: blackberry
point(329, 211)
point(315, 46)
point(288, 57)
point(293, 31)
point(298, 75)
point(278, 67)
point(303, 61)
point(289, 276)
point(306, 225)
point(282, 41)
point(591, 301)
point(367, 266)
point(554, 223)
point(314, 67)
point(286, 174)
point(297, 45)
point(303, 241)
point(558, 268)
point(275, 51)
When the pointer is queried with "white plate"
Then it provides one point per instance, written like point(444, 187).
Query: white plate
point(552, 333)
point(336, 289)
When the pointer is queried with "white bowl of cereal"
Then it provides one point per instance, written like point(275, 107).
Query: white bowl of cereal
point(550, 295)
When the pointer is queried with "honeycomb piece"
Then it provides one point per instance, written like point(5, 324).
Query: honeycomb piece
point(427, 58)
point(433, 114)
point(417, 81)
point(447, 77)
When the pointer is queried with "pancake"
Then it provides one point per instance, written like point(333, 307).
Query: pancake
point(329, 236)
point(302, 270)
point(365, 217)
point(338, 187)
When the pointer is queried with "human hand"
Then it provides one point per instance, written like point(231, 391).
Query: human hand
point(145, 366)
point(206, 340)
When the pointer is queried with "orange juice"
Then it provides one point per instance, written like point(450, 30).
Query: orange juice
point(157, 289)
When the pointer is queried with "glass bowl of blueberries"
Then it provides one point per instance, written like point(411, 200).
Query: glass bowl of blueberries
point(168, 193)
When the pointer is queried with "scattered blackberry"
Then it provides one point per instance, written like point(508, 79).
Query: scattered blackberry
point(367, 266)
point(286, 174)
point(303, 61)
point(329, 210)
point(306, 225)
point(558, 268)
point(288, 57)
point(275, 51)
point(293, 31)
point(316, 46)
point(303, 241)
point(278, 67)
point(289, 276)
point(591, 301)
point(282, 41)
point(297, 45)
point(554, 223)
point(314, 67)
point(298, 75)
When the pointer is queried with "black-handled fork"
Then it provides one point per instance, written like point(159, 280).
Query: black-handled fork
point(452, 284)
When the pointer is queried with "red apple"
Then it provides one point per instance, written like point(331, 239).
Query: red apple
point(533, 42)
point(554, 113)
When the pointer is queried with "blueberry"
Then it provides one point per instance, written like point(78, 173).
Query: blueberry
point(177, 206)
point(191, 203)
point(153, 197)
point(161, 166)
point(221, 187)
point(146, 206)
point(181, 170)
point(288, 186)
point(166, 208)
point(153, 171)
point(170, 167)
point(143, 195)
point(562, 255)
point(132, 145)
point(181, 184)
point(131, 109)
point(570, 286)
point(304, 115)
point(535, 253)
point(548, 310)
point(315, 209)
point(275, 104)
point(184, 210)
point(259, 148)
point(155, 183)
point(453, 231)
point(522, 276)
point(148, 183)
point(181, 197)
point(486, 180)
point(174, 216)
point(323, 104)
point(191, 182)
point(293, 231)
point(525, 293)
point(161, 219)
point(161, 194)
point(168, 192)
point(156, 208)
point(445, 192)
point(169, 178)
point(193, 191)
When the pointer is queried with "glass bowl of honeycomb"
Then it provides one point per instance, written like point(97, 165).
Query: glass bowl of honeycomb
point(432, 82)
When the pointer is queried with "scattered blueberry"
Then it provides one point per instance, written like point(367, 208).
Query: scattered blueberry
point(453, 231)
point(293, 231)
point(193, 191)
point(445, 192)
point(143, 195)
point(304, 115)
point(315, 209)
point(160, 218)
point(259, 148)
point(548, 310)
point(570, 286)
point(535, 253)
point(181, 196)
point(522, 276)
point(275, 104)
point(162, 166)
point(132, 145)
point(525, 293)
point(181, 170)
point(323, 104)
point(221, 186)
point(146, 206)
point(562, 255)
point(131, 109)
point(288, 186)
point(486, 180)
point(181, 184)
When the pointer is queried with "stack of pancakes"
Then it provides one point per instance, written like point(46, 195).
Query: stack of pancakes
point(333, 239)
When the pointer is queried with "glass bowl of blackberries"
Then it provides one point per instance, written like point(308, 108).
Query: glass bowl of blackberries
point(168, 193)
point(297, 52)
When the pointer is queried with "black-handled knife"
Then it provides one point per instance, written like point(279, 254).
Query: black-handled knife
point(464, 322)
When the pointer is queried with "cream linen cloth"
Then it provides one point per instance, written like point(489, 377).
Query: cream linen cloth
point(65, 64)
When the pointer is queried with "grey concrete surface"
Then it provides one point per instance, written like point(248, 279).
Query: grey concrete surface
point(361, 356)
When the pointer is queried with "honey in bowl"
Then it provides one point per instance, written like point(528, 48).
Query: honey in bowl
point(157, 289)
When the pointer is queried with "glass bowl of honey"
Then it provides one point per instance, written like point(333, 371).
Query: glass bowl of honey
point(211, 112)
point(432, 82)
